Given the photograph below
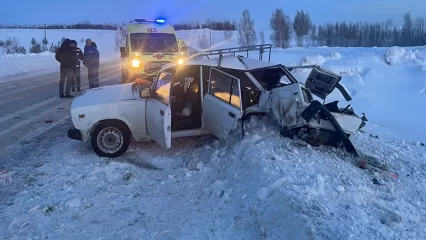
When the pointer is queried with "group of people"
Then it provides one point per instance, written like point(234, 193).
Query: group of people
point(70, 58)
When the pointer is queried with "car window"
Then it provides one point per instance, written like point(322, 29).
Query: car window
point(225, 87)
point(162, 87)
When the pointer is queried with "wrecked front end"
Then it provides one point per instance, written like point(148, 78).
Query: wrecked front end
point(300, 115)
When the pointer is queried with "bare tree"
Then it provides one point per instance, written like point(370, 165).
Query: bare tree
point(203, 39)
point(302, 24)
point(262, 37)
point(407, 29)
point(281, 27)
point(246, 33)
point(228, 34)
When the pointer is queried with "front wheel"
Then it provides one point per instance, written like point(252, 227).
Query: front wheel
point(110, 139)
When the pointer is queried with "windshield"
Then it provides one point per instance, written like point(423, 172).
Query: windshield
point(162, 87)
point(271, 77)
point(153, 42)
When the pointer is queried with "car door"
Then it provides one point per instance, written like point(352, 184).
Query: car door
point(158, 112)
point(222, 104)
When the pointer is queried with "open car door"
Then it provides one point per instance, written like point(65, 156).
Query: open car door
point(158, 112)
point(222, 104)
point(322, 82)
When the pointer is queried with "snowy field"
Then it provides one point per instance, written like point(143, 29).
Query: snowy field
point(260, 186)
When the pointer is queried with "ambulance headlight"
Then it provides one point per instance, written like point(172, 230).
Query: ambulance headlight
point(180, 61)
point(136, 63)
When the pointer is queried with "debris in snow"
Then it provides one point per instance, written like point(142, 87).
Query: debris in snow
point(262, 194)
point(244, 196)
point(127, 177)
point(5, 177)
point(188, 174)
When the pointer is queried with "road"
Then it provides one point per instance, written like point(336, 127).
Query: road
point(32, 116)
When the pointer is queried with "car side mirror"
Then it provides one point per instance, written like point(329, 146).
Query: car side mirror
point(123, 52)
point(146, 93)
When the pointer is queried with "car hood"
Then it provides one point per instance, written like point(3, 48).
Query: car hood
point(104, 95)
point(322, 82)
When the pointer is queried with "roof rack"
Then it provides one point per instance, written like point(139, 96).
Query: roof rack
point(260, 48)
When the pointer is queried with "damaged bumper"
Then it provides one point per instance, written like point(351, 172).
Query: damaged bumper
point(74, 133)
point(336, 121)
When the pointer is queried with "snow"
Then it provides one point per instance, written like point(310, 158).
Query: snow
point(260, 186)
point(19, 65)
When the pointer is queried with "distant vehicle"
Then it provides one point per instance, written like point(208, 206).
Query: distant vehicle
point(210, 96)
point(146, 46)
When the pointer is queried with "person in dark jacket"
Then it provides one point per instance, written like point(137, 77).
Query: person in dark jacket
point(66, 56)
point(91, 61)
point(76, 81)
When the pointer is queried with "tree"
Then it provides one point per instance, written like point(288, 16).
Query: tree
point(262, 37)
point(35, 46)
point(407, 30)
point(246, 33)
point(44, 48)
point(281, 28)
point(302, 24)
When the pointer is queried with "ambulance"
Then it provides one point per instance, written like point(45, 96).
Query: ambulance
point(146, 46)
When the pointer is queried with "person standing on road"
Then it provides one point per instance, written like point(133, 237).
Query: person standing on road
point(91, 61)
point(76, 82)
point(65, 55)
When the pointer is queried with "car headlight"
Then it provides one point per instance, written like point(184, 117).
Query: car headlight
point(180, 61)
point(136, 63)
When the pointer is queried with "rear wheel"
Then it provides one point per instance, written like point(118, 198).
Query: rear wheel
point(110, 139)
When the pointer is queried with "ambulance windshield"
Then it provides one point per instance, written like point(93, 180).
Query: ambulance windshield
point(153, 42)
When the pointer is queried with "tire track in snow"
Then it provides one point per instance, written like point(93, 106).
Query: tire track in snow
point(56, 112)
point(52, 81)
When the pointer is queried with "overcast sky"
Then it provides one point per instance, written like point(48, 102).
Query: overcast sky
point(99, 11)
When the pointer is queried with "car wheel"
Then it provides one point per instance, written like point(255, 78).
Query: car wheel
point(110, 139)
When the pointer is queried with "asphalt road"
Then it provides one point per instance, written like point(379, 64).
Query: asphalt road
point(33, 117)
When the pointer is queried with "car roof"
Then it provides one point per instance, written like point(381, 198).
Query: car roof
point(230, 62)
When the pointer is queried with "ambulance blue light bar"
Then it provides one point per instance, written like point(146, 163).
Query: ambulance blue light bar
point(159, 21)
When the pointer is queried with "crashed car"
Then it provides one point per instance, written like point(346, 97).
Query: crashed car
point(210, 96)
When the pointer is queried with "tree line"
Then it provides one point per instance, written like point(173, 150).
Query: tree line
point(221, 25)
point(338, 34)
point(82, 25)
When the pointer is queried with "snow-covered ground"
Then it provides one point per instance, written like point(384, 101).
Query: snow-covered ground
point(18, 65)
point(260, 186)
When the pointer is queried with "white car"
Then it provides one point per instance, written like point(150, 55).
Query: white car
point(210, 97)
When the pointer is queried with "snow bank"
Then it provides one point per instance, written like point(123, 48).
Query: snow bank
point(396, 55)
point(313, 60)
point(18, 65)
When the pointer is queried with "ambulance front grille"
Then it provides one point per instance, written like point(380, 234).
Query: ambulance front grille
point(153, 67)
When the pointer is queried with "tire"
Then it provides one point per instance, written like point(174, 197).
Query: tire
point(110, 139)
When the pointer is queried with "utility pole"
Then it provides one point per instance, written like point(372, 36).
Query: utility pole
point(45, 35)
point(211, 25)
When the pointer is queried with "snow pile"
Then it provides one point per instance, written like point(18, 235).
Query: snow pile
point(313, 60)
point(18, 65)
point(335, 56)
point(396, 55)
